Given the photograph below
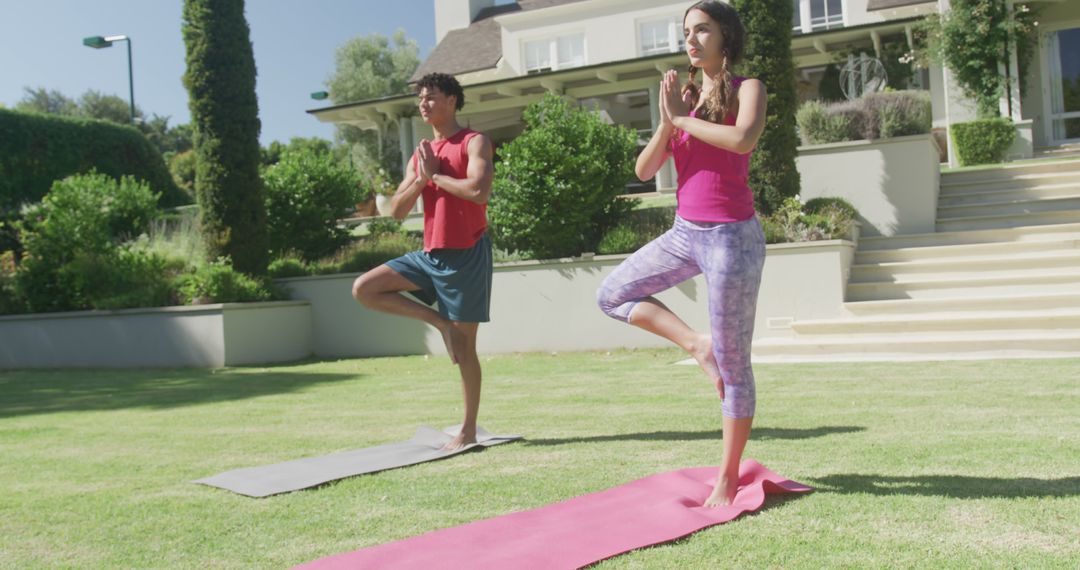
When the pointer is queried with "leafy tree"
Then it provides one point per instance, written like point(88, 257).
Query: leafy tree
point(368, 67)
point(43, 100)
point(768, 57)
point(273, 153)
point(98, 105)
point(168, 140)
point(220, 79)
point(557, 186)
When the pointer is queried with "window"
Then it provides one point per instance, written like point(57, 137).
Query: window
point(556, 53)
point(661, 36)
point(825, 14)
point(570, 51)
point(813, 15)
point(537, 56)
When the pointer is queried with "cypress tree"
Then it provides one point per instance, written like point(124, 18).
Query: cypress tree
point(220, 80)
point(768, 57)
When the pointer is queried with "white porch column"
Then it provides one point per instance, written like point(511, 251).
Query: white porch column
point(405, 141)
point(665, 177)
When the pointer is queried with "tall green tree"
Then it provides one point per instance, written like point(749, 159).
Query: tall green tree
point(220, 79)
point(49, 101)
point(368, 67)
point(98, 105)
point(768, 57)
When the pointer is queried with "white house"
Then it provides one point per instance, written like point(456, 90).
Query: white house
point(610, 54)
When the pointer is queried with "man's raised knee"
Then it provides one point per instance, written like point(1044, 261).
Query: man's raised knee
point(361, 290)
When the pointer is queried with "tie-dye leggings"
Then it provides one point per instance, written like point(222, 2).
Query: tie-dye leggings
point(731, 256)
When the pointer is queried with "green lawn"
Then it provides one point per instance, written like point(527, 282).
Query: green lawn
point(936, 465)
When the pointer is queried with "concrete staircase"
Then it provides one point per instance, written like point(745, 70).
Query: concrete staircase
point(999, 279)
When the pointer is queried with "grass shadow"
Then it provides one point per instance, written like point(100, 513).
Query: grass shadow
point(33, 392)
point(954, 486)
point(759, 434)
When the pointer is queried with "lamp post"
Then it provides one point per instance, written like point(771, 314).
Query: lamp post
point(98, 42)
point(320, 95)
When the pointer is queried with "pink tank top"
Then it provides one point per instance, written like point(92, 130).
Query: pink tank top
point(712, 181)
point(451, 222)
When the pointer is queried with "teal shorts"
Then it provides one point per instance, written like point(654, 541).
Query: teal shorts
point(458, 279)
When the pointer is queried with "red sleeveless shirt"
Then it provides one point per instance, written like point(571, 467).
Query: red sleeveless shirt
point(451, 222)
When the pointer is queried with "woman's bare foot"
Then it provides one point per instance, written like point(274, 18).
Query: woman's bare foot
point(702, 352)
point(723, 493)
point(462, 439)
point(454, 340)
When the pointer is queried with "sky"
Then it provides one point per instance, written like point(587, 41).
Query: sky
point(294, 43)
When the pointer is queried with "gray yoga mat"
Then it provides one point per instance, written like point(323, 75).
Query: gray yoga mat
point(311, 471)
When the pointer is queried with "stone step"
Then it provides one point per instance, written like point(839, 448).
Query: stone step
point(991, 235)
point(969, 304)
point(1011, 170)
point(1044, 281)
point(951, 187)
point(1004, 221)
point(1015, 206)
point(959, 267)
point(983, 345)
point(1000, 320)
point(965, 251)
point(1009, 194)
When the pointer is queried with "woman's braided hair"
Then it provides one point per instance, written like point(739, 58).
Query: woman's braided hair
point(722, 99)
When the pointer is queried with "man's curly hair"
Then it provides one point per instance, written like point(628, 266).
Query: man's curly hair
point(447, 84)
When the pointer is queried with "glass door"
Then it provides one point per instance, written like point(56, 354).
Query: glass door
point(1064, 117)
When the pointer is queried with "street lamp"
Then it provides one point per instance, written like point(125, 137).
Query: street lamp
point(98, 42)
point(320, 95)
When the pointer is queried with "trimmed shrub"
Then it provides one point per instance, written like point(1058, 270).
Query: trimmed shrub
point(638, 228)
point(620, 239)
point(122, 279)
point(372, 252)
point(37, 150)
point(898, 113)
point(287, 267)
point(819, 205)
point(773, 175)
point(984, 141)
point(384, 225)
point(817, 125)
point(218, 282)
point(220, 79)
point(72, 242)
point(873, 116)
point(556, 186)
point(306, 194)
point(832, 218)
point(182, 168)
point(10, 301)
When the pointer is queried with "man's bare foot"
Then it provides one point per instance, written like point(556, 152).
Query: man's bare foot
point(723, 493)
point(454, 340)
point(460, 440)
point(702, 352)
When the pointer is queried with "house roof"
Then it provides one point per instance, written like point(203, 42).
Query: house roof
point(480, 45)
point(872, 5)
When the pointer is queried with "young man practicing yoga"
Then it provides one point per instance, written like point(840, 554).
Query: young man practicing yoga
point(452, 173)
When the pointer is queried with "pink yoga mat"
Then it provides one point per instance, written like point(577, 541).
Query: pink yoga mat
point(579, 531)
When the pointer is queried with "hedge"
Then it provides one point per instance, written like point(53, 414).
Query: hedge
point(36, 150)
point(984, 141)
